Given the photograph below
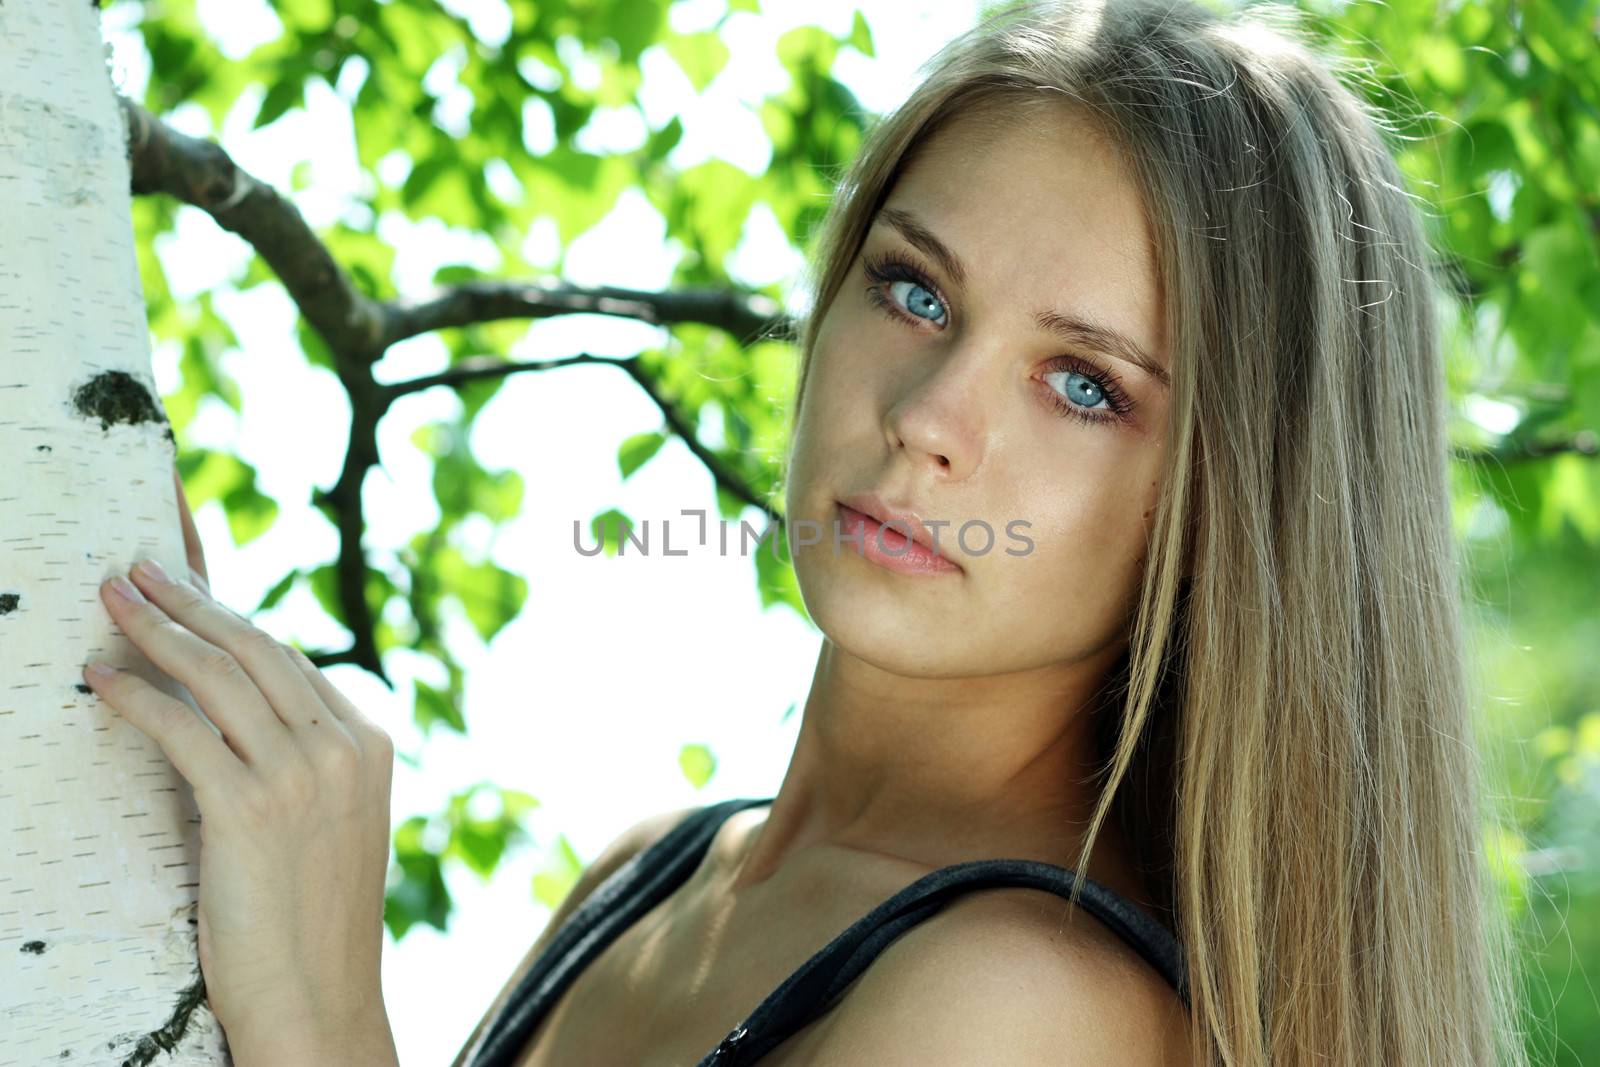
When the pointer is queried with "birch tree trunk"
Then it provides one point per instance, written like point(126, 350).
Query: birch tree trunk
point(99, 835)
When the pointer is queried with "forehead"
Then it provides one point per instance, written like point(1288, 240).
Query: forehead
point(1051, 162)
point(1041, 206)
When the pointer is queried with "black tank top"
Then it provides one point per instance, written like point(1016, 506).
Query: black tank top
point(650, 875)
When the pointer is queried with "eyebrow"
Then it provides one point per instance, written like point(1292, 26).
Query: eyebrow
point(1074, 329)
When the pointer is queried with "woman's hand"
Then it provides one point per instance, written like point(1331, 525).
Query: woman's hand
point(294, 804)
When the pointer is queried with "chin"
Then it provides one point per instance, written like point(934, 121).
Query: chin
point(872, 622)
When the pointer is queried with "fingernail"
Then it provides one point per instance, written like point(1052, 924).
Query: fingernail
point(126, 590)
point(152, 570)
point(101, 670)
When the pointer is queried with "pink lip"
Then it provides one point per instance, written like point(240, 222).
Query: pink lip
point(880, 510)
point(888, 547)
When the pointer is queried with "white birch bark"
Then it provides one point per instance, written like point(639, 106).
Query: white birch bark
point(99, 835)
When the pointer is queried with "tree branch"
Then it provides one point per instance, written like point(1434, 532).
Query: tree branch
point(749, 317)
point(201, 173)
point(1584, 443)
point(486, 367)
point(358, 330)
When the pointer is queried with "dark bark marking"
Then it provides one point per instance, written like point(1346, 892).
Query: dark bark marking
point(9, 602)
point(35, 947)
point(117, 396)
point(166, 1039)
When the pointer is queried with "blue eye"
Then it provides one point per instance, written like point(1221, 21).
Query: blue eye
point(918, 300)
point(1084, 390)
point(917, 297)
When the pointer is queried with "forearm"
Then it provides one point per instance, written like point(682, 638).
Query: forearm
point(365, 1042)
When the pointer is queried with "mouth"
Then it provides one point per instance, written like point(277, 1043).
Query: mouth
point(870, 536)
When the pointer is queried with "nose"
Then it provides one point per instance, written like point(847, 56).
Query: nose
point(938, 421)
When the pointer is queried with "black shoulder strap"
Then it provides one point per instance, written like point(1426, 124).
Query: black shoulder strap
point(635, 887)
point(812, 989)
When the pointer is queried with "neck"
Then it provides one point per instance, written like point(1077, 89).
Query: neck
point(931, 772)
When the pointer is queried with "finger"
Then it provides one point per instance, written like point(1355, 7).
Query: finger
point(203, 758)
point(191, 536)
point(176, 640)
point(264, 659)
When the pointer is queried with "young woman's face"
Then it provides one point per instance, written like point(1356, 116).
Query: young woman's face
point(951, 397)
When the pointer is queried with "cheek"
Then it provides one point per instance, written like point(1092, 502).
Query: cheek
point(845, 371)
point(1090, 529)
point(839, 408)
point(830, 420)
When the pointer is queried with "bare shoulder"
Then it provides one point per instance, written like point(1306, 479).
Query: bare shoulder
point(1018, 977)
point(635, 839)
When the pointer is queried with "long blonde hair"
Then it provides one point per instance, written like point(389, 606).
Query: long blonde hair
point(1294, 755)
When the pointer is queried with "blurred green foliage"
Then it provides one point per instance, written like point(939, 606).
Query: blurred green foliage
point(1496, 114)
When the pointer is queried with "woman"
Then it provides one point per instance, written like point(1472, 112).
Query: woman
point(1181, 235)
point(1125, 315)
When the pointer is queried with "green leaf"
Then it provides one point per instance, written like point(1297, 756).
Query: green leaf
point(517, 804)
point(701, 55)
point(634, 25)
point(422, 178)
point(457, 273)
point(316, 350)
point(775, 577)
point(577, 189)
point(636, 451)
point(861, 35)
point(310, 15)
point(324, 582)
point(1443, 59)
point(1484, 145)
point(1572, 492)
point(278, 591)
point(664, 140)
point(490, 595)
point(729, 505)
point(561, 871)
point(251, 513)
point(287, 92)
point(609, 528)
point(806, 47)
point(431, 707)
point(460, 484)
point(480, 841)
point(368, 258)
point(416, 889)
point(712, 201)
point(225, 478)
point(698, 764)
point(479, 847)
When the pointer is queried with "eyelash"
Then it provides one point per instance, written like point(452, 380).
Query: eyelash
point(887, 267)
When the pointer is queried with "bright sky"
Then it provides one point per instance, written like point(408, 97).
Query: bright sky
point(614, 664)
